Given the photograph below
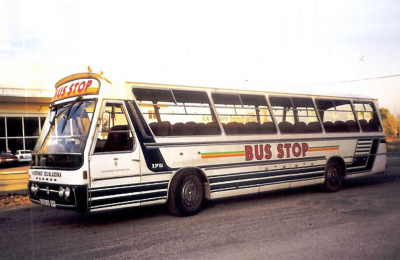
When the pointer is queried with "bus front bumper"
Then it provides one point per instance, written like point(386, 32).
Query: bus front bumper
point(48, 194)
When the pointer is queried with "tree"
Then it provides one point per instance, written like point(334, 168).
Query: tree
point(398, 125)
point(390, 123)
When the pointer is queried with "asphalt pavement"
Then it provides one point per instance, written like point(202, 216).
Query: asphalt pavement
point(362, 221)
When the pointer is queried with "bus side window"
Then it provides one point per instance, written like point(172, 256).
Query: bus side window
point(367, 116)
point(282, 108)
point(295, 115)
point(337, 115)
point(244, 114)
point(177, 112)
point(115, 134)
point(305, 116)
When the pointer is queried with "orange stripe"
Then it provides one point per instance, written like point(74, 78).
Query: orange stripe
point(323, 149)
point(221, 155)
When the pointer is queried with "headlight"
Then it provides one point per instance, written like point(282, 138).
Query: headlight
point(67, 192)
point(61, 192)
point(34, 188)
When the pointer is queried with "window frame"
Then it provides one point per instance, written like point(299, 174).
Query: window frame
point(6, 138)
point(295, 112)
point(178, 104)
point(374, 111)
point(99, 128)
point(242, 106)
point(333, 99)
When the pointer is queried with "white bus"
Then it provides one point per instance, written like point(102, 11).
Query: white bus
point(108, 146)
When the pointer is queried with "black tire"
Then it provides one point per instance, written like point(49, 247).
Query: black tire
point(186, 195)
point(333, 177)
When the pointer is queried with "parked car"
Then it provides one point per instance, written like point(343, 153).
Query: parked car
point(8, 159)
point(24, 155)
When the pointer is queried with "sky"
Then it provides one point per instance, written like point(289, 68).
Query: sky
point(283, 46)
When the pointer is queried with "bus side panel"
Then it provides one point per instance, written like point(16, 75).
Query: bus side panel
point(380, 164)
point(369, 154)
point(239, 168)
point(381, 158)
point(230, 153)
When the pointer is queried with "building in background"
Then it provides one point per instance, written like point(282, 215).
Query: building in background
point(26, 90)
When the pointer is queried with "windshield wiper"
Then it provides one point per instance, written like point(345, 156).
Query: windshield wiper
point(53, 120)
point(80, 104)
point(67, 115)
point(54, 109)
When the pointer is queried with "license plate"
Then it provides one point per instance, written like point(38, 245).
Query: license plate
point(50, 203)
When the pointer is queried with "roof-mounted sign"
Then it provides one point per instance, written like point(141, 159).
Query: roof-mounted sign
point(79, 87)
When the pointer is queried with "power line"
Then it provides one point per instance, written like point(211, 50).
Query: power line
point(355, 80)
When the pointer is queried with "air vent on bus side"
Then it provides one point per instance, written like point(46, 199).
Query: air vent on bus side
point(363, 147)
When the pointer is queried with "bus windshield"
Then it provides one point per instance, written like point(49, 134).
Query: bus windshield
point(69, 127)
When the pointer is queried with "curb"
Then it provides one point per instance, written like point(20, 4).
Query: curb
point(14, 183)
point(15, 186)
point(18, 172)
point(4, 194)
point(14, 176)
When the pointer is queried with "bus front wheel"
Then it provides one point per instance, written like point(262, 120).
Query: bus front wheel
point(186, 195)
point(333, 177)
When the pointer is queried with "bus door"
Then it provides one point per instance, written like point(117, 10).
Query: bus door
point(114, 161)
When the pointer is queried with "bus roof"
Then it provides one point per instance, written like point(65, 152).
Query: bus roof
point(319, 95)
point(155, 85)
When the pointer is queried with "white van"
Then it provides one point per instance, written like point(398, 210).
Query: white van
point(24, 155)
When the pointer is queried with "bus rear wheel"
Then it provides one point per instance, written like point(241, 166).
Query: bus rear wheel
point(186, 195)
point(333, 177)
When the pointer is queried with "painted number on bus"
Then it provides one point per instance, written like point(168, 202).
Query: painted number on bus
point(157, 165)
